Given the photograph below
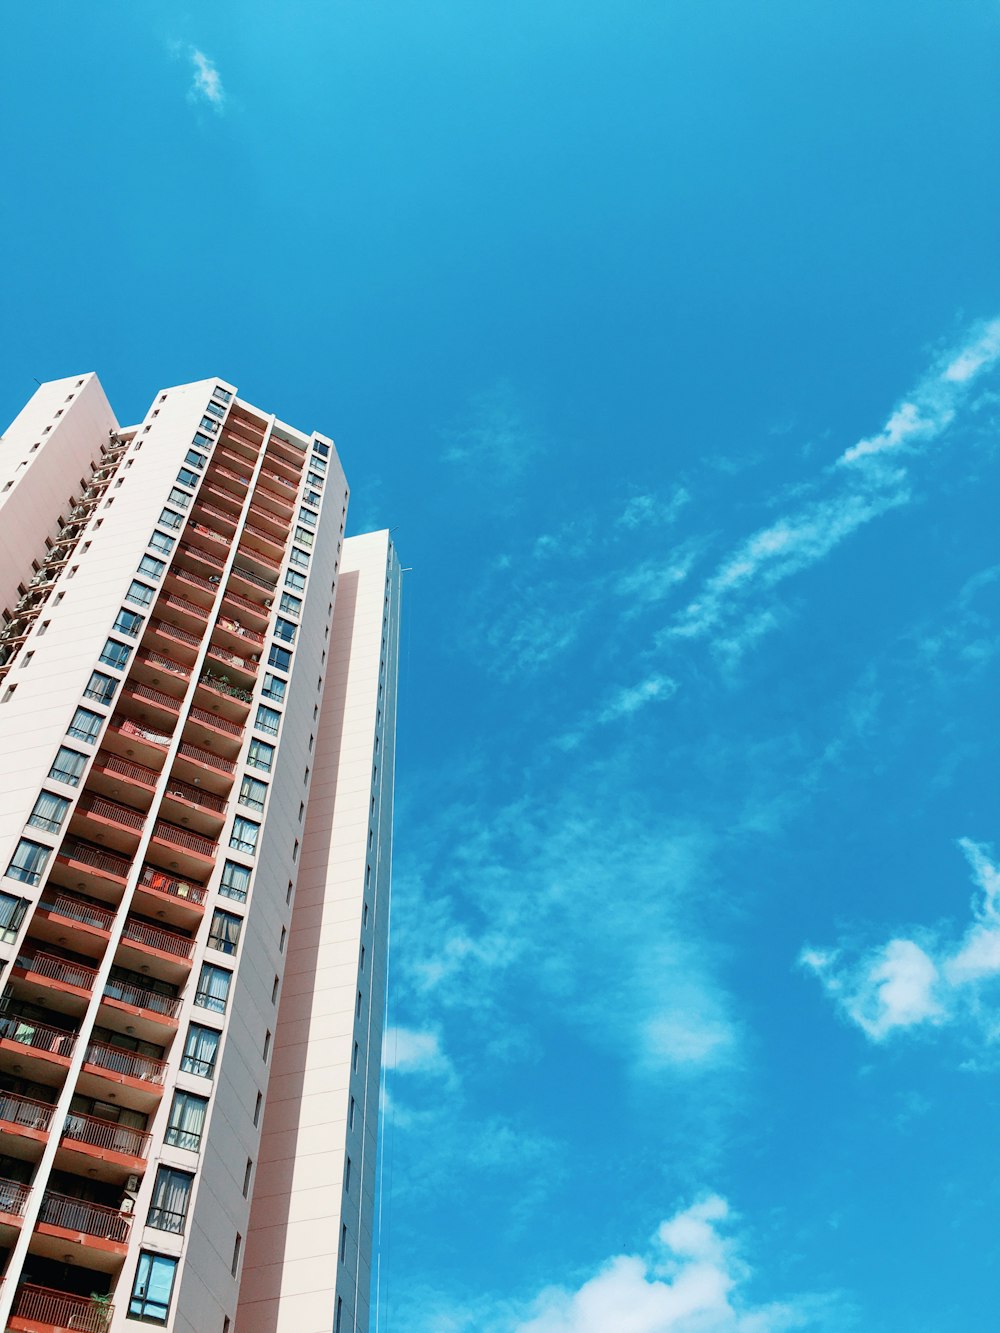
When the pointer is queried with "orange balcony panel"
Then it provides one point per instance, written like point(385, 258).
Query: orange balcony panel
point(41, 1310)
point(80, 1222)
point(13, 1198)
point(55, 974)
point(102, 865)
point(25, 1038)
point(24, 1117)
point(119, 1145)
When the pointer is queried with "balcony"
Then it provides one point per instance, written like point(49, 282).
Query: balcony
point(218, 507)
point(149, 667)
point(234, 604)
point(95, 1227)
point(213, 729)
point(200, 556)
point(256, 581)
point(130, 738)
point(220, 543)
point(239, 671)
point(66, 919)
point(244, 442)
point(91, 869)
point(281, 463)
point(150, 707)
point(177, 901)
point(43, 1310)
point(60, 983)
point(202, 768)
point(188, 615)
point(139, 1011)
point(13, 1200)
point(110, 823)
point(24, 1123)
point(273, 492)
point(190, 850)
point(138, 1079)
point(34, 1050)
point(267, 530)
point(180, 644)
point(190, 805)
point(114, 1147)
point(197, 587)
point(221, 696)
point(164, 953)
point(112, 775)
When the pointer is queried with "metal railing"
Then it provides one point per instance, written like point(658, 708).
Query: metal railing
point(164, 627)
point(160, 882)
point(124, 815)
point(224, 655)
point(150, 658)
point(182, 604)
point(129, 1063)
point(85, 854)
point(196, 580)
point(126, 727)
point(142, 998)
point(78, 909)
point(13, 1197)
point(57, 969)
point(181, 837)
point(107, 1134)
point(247, 549)
point(106, 762)
point(206, 757)
point(25, 1111)
point(241, 631)
point(196, 553)
point(214, 720)
point(61, 1309)
point(254, 608)
point(149, 695)
point(185, 791)
point(26, 1032)
point(208, 532)
point(251, 577)
point(157, 938)
point(265, 536)
point(81, 1215)
point(220, 685)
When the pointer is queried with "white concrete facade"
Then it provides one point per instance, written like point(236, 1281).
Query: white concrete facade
point(190, 1033)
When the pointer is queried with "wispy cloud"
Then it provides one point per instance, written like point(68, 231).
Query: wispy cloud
point(206, 82)
point(693, 1277)
point(924, 980)
point(647, 509)
point(495, 440)
point(411, 1052)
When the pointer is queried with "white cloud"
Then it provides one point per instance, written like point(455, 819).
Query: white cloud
point(692, 1279)
point(207, 83)
point(495, 441)
point(932, 982)
point(408, 1051)
point(647, 510)
point(654, 689)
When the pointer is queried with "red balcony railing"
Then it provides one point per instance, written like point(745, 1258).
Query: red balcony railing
point(153, 659)
point(106, 1134)
point(129, 1063)
point(149, 695)
point(214, 720)
point(251, 577)
point(112, 811)
point(245, 604)
point(206, 757)
point(205, 531)
point(273, 476)
point(185, 791)
point(196, 580)
point(181, 604)
point(265, 536)
point(125, 727)
point(13, 1197)
point(107, 762)
point(93, 1219)
point(218, 470)
point(242, 631)
point(142, 998)
point(181, 837)
point(181, 635)
point(154, 937)
point(198, 553)
point(25, 1111)
point(61, 1309)
point(78, 909)
point(26, 1032)
point(57, 969)
point(85, 854)
point(177, 888)
point(224, 655)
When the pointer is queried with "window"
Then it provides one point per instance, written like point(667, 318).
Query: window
point(257, 1108)
point(260, 755)
point(284, 630)
point(28, 862)
point(347, 1177)
point(200, 1050)
point(151, 567)
point(12, 912)
point(100, 687)
point(138, 594)
point(127, 622)
point(281, 941)
point(268, 719)
point(322, 449)
point(314, 478)
point(168, 519)
point(274, 989)
point(350, 1114)
point(292, 605)
point(48, 812)
point(235, 881)
point(179, 498)
point(354, 1057)
point(247, 1174)
point(194, 459)
point(202, 441)
point(161, 542)
point(300, 558)
point(115, 655)
point(294, 580)
point(85, 725)
point(267, 1044)
point(304, 536)
point(312, 498)
point(215, 410)
point(208, 424)
point(343, 1242)
point(244, 835)
point(187, 478)
point(253, 793)
point(67, 766)
point(213, 988)
point(187, 1119)
point(151, 1291)
point(279, 657)
point(222, 394)
point(225, 931)
point(169, 1204)
point(338, 1320)
point(236, 1253)
point(274, 688)
point(307, 516)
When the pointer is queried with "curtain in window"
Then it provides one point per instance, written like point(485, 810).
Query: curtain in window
point(235, 881)
point(200, 1050)
point(28, 861)
point(12, 912)
point(213, 988)
point(225, 932)
point(168, 1205)
point(48, 811)
point(187, 1119)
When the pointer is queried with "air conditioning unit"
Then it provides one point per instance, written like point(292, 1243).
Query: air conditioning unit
point(132, 1185)
point(127, 1206)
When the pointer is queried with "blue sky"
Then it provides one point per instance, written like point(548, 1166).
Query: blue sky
point(666, 336)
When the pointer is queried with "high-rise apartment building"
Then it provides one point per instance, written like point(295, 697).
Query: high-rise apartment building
point(197, 713)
